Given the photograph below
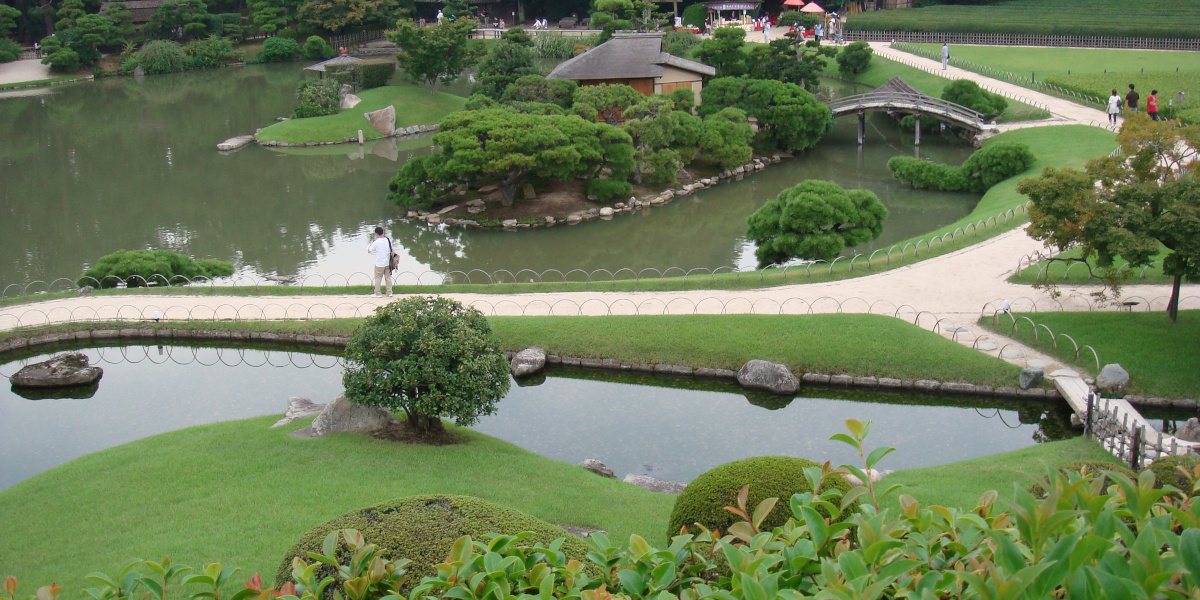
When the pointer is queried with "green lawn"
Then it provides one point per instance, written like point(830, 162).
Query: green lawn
point(1057, 272)
point(1025, 60)
point(414, 106)
point(1168, 84)
point(1144, 18)
point(1161, 356)
point(854, 344)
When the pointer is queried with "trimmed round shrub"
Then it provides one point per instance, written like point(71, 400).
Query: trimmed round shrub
point(969, 94)
point(137, 268)
point(1093, 467)
point(317, 98)
point(994, 163)
point(162, 56)
point(854, 59)
point(694, 15)
point(423, 528)
point(1166, 470)
point(65, 60)
point(926, 175)
point(704, 499)
point(279, 49)
point(316, 48)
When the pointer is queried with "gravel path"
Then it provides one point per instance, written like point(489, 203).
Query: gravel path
point(19, 71)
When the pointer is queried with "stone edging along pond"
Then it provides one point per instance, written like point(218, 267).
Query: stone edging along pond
point(400, 132)
point(14, 344)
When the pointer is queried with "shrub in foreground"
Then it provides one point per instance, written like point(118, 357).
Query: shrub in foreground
point(317, 98)
point(137, 268)
point(423, 529)
point(704, 500)
point(1096, 469)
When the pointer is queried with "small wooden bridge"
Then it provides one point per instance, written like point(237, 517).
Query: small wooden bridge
point(897, 96)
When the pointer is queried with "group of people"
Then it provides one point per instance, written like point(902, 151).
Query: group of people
point(542, 24)
point(1130, 103)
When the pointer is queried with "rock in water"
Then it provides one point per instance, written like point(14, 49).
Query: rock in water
point(383, 120)
point(60, 371)
point(763, 375)
point(350, 101)
point(655, 485)
point(1190, 431)
point(528, 361)
point(342, 415)
point(235, 143)
point(597, 467)
point(299, 408)
point(1112, 378)
point(1030, 378)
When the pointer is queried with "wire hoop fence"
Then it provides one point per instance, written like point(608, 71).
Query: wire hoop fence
point(1017, 39)
point(1043, 109)
point(169, 353)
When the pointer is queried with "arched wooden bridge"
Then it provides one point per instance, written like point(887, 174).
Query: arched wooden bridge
point(897, 96)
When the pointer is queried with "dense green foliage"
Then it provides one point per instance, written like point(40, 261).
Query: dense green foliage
point(723, 51)
point(969, 94)
point(9, 50)
point(854, 58)
point(552, 44)
point(605, 102)
point(502, 146)
point(189, 16)
point(209, 53)
point(316, 48)
point(136, 268)
point(695, 15)
point(664, 139)
point(789, 62)
point(507, 61)
point(339, 16)
point(269, 16)
point(316, 98)
point(1177, 471)
point(983, 169)
point(704, 500)
point(815, 220)
point(789, 118)
point(440, 52)
point(621, 15)
point(679, 42)
point(1146, 18)
point(430, 357)
point(795, 17)
point(1097, 469)
point(416, 107)
point(278, 49)
point(725, 140)
point(535, 88)
point(371, 74)
point(422, 529)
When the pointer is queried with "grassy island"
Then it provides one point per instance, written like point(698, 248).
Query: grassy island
point(414, 106)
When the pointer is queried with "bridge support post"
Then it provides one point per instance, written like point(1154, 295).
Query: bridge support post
point(918, 135)
point(862, 126)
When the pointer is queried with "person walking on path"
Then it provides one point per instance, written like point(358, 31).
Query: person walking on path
point(1131, 99)
point(381, 247)
point(817, 32)
point(766, 31)
point(945, 55)
point(1114, 107)
point(1152, 104)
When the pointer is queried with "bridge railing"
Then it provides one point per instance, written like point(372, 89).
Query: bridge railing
point(892, 99)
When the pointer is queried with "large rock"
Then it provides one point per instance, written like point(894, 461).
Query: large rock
point(1030, 378)
point(1190, 431)
point(597, 467)
point(528, 361)
point(299, 408)
point(352, 100)
point(60, 371)
point(773, 377)
point(342, 415)
point(235, 143)
point(1112, 378)
point(655, 485)
point(383, 120)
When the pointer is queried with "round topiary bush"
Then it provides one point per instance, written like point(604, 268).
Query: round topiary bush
point(1166, 470)
point(704, 499)
point(162, 56)
point(423, 528)
point(1093, 467)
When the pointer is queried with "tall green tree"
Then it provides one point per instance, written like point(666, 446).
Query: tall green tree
point(429, 357)
point(535, 88)
point(8, 19)
point(779, 60)
point(725, 141)
point(664, 139)
point(507, 61)
point(789, 118)
point(440, 52)
point(68, 12)
point(122, 20)
point(1127, 206)
point(189, 16)
point(454, 10)
point(269, 16)
point(613, 15)
point(340, 15)
point(815, 220)
point(723, 51)
point(606, 102)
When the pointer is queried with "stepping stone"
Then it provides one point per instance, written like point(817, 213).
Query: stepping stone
point(1064, 373)
point(957, 330)
point(986, 346)
point(1012, 352)
point(1038, 363)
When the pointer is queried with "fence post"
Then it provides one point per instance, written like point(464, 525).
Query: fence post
point(1087, 424)
point(1135, 454)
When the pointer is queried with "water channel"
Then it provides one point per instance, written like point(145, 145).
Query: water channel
point(122, 163)
point(673, 428)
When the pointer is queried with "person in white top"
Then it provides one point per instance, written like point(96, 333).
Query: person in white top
point(381, 247)
point(1114, 107)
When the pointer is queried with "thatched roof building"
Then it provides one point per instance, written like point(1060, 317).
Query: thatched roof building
point(636, 60)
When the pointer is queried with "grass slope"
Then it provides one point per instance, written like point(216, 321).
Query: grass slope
point(1145, 18)
point(414, 106)
point(1056, 272)
point(854, 344)
point(1161, 356)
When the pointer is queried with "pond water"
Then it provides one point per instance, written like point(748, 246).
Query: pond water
point(119, 164)
point(673, 428)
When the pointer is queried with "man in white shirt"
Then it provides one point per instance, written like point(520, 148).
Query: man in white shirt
point(381, 247)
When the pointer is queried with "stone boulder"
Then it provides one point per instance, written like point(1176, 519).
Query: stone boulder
point(597, 467)
point(763, 375)
point(63, 370)
point(1189, 431)
point(299, 408)
point(350, 101)
point(655, 485)
point(528, 361)
point(342, 415)
point(235, 143)
point(383, 120)
point(1112, 378)
point(1030, 378)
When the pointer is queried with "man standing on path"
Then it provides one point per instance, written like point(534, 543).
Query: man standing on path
point(381, 247)
point(1131, 99)
point(767, 30)
point(945, 55)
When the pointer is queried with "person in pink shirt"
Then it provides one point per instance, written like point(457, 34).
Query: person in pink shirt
point(1152, 104)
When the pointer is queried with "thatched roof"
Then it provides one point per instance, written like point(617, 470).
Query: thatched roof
point(898, 84)
point(626, 56)
point(333, 62)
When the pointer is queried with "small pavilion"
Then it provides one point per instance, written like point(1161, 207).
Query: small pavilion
point(716, 9)
point(636, 60)
point(337, 61)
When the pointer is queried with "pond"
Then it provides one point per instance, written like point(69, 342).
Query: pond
point(672, 428)
point(119, 163)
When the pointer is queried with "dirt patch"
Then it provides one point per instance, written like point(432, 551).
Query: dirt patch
point(401, 432)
